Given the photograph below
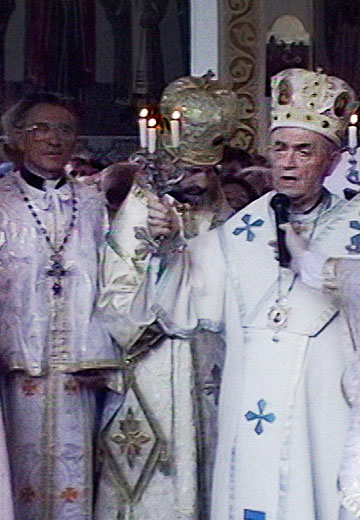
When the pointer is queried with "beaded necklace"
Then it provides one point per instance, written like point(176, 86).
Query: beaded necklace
point(57, 269)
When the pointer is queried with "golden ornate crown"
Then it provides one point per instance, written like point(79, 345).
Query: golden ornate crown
point(312, 100)
point(208, 118)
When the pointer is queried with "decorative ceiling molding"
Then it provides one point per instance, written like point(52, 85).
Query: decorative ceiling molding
point(240, 63)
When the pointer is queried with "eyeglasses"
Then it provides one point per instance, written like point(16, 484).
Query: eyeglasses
point(42, 130)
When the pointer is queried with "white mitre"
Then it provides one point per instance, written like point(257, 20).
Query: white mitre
point(313, 101)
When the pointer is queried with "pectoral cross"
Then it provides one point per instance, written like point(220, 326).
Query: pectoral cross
point(57, 271)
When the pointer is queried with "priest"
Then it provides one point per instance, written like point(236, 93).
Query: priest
point(171, 398)
point(56, 356)
point(283, 415)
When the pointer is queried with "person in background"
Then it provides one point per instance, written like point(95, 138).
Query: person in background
point(83, 166)
point(244, 177)
point(234, 160)
point(238, 192)
point(57, 359)
point(10, 147)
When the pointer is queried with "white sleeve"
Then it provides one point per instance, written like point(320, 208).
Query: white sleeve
point(118, 285)
point(185, 290)
point(122, 269)
point(311, 268)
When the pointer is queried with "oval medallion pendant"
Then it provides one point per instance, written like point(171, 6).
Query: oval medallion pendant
point(278, 316)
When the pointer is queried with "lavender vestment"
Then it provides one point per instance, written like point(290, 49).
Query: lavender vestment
point(54, 352)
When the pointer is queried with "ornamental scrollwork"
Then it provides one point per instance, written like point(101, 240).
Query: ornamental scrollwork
point(242, 34)
point(240, 7)
point(242, 70)
point(244, 137)
point(246, 106)
point(242, 65)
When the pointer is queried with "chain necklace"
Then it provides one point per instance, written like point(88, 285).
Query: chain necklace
point(57, 270)
point(279, 312)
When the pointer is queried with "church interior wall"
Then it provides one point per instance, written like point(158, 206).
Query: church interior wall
point(14, 44)
point(227, 37)
point(205, 36)
point(243, 27)
point(104, 47)
point(112, 97)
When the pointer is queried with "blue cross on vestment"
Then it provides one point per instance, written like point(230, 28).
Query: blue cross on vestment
point(250, 235)
point(260, 417)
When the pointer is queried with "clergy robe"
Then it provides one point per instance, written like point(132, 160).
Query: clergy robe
point(54, 351)
point(173, 394)
point(283, 416)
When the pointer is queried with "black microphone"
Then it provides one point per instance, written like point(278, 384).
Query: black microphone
point(280, 204)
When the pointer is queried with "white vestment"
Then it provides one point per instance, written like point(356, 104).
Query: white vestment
point(283, 416)
point(167, 477)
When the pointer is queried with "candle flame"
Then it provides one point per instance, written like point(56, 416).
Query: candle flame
point(176, 114)
point(354, 119)
point(144, 112)
point(152, 122)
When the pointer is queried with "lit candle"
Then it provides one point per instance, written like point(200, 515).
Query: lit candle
point(151, 135)
point(353, 132)
point(143, 127)
point(175, 128)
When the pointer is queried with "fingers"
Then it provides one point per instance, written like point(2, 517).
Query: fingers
point(162, 220)
point(287, 227)
point(159, 221)
point(157, 231)
point(273, 243)
point(158, 209)
point(294, 242)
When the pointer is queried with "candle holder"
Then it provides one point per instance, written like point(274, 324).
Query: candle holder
point(159, 171)
point(353, 175)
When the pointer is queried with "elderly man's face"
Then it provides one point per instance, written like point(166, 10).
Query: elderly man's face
point(301, 159)
point(47, 139)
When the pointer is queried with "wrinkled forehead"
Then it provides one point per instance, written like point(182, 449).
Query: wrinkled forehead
point(47, 112)
point(298, 136)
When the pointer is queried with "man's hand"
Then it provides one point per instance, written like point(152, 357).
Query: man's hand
point(308, 264)
point(295, 244)
point(162, 219)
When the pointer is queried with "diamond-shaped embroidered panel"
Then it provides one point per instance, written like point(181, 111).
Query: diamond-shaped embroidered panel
point(135, 443)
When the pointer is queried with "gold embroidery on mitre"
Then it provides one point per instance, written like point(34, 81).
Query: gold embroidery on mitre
point(312, 100)
point(210, 115)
